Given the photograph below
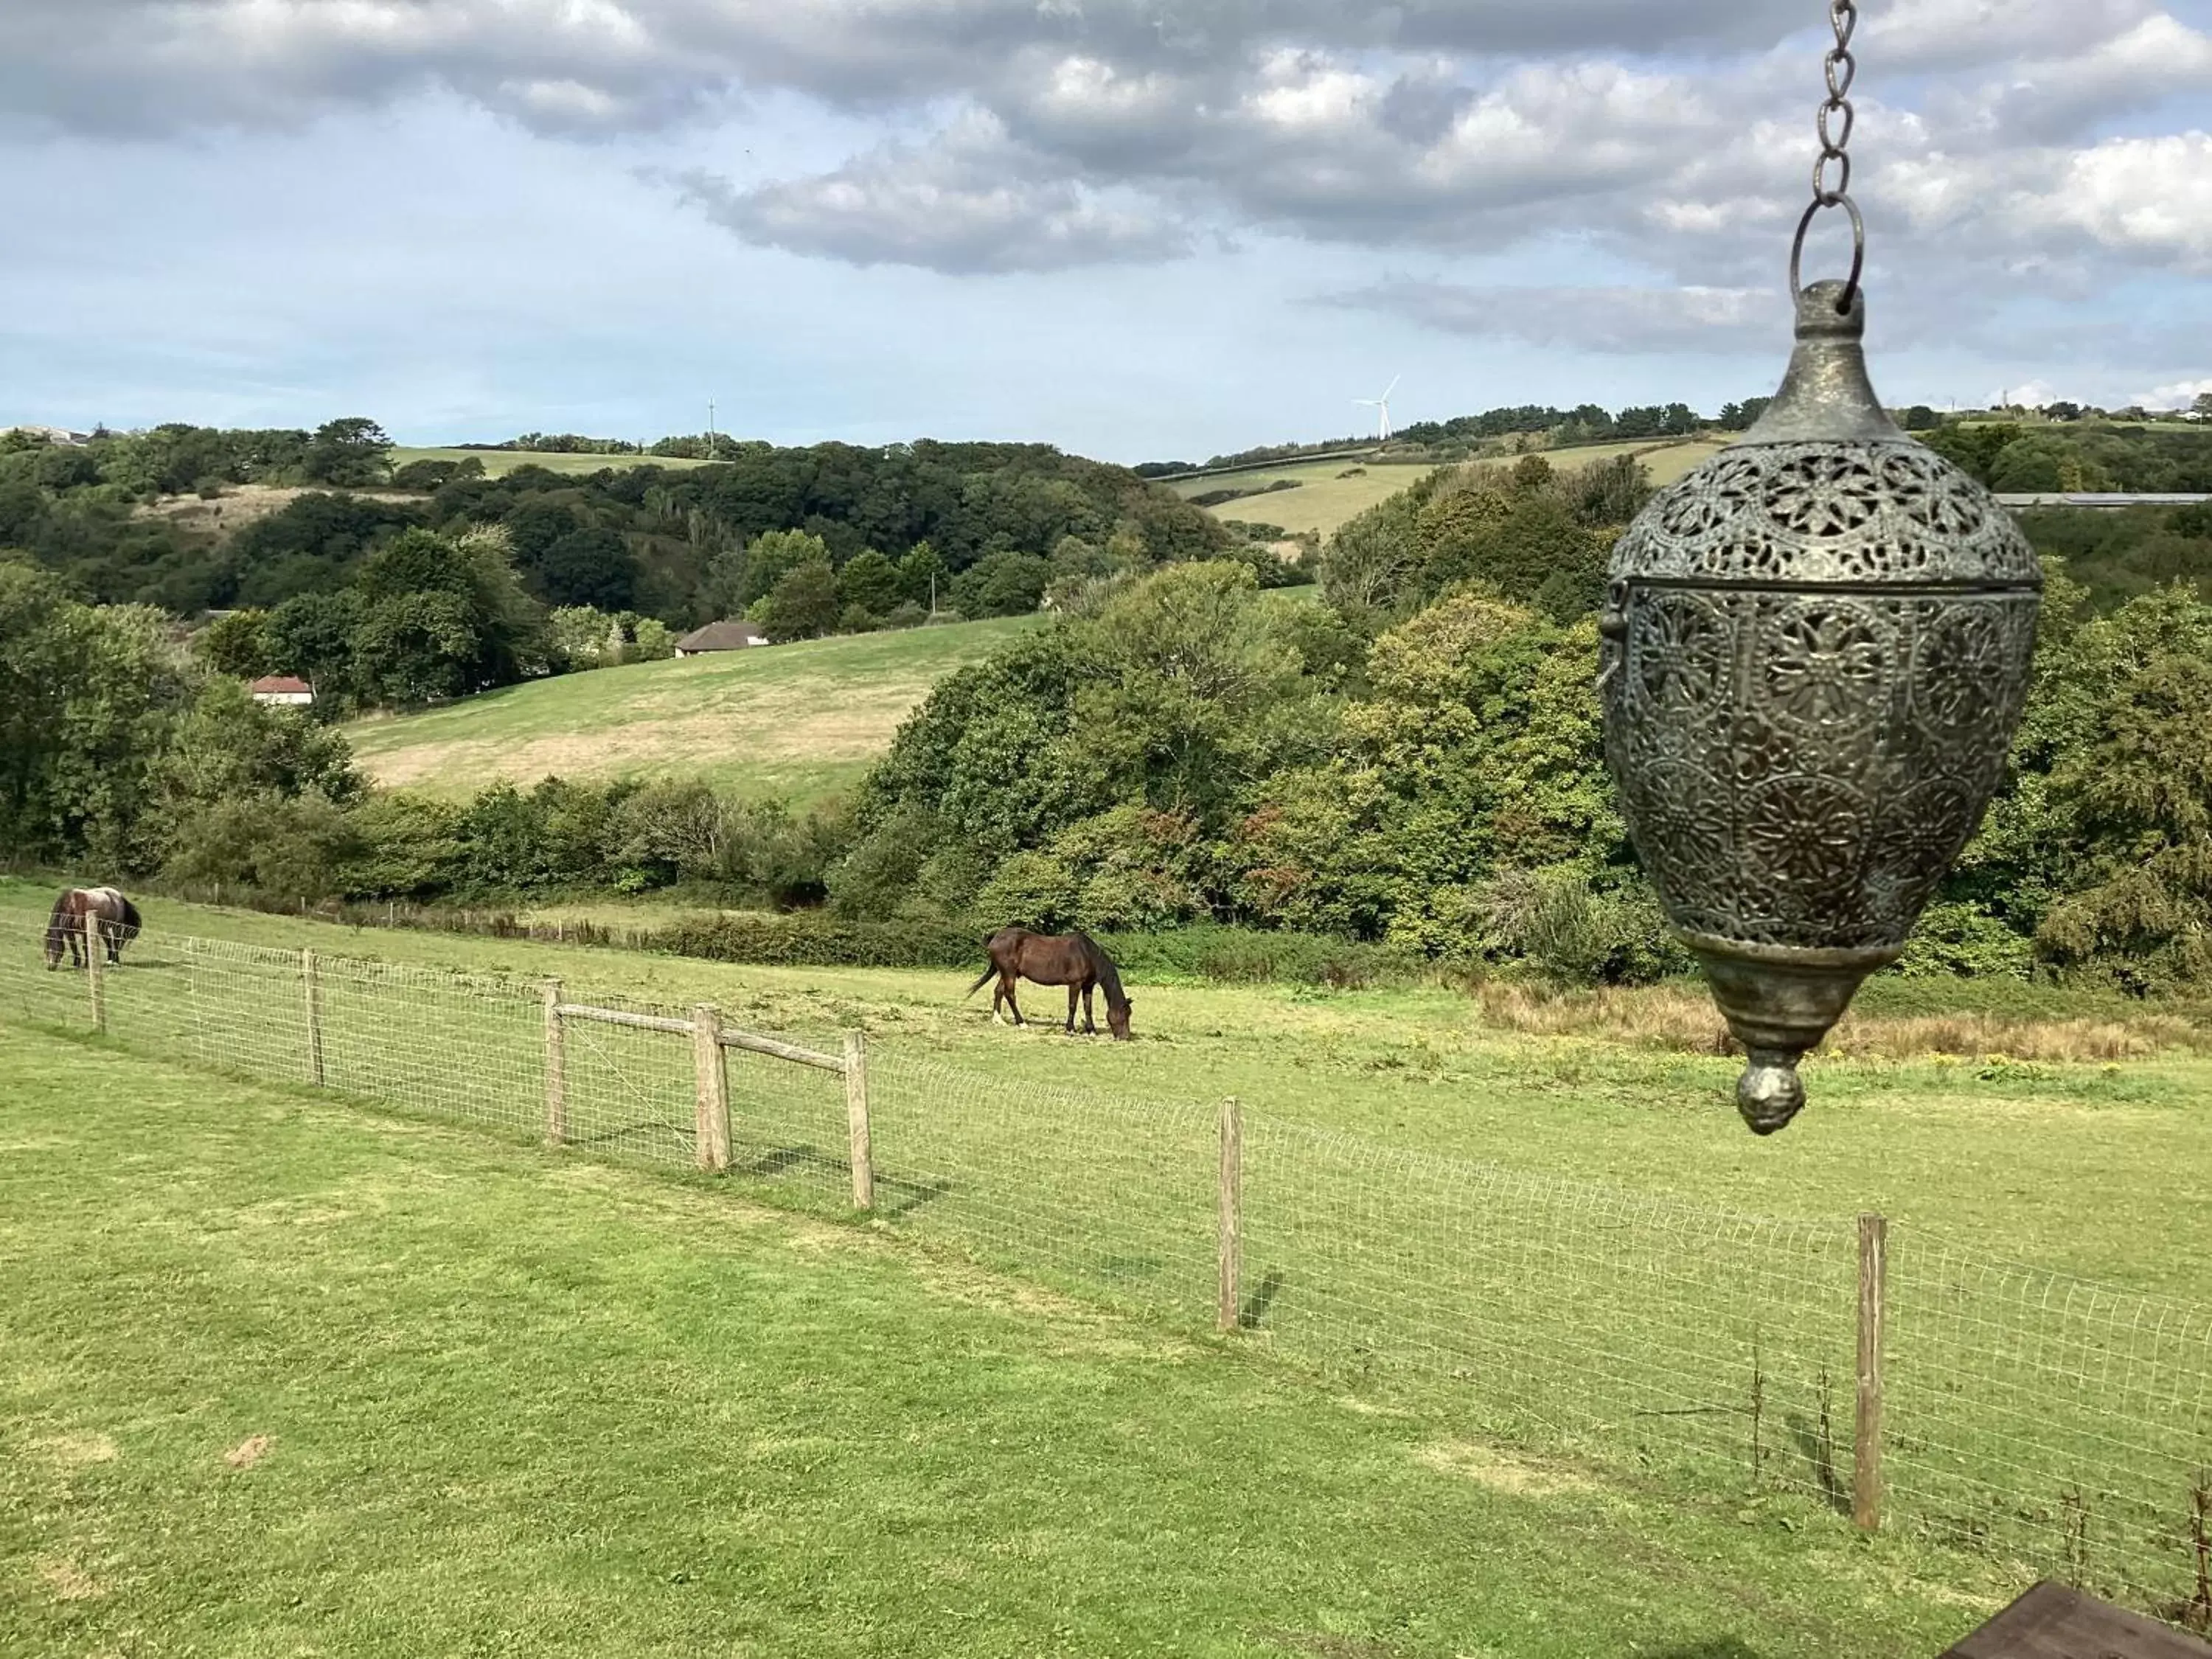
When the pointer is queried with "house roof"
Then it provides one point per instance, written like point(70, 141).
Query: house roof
point(722, 636)
point(279, 683)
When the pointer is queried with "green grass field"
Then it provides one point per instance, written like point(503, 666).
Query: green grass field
point(1329, 492)
point(2100, 1168)
point(282, 1376)
point(800, 720)
point(1551, 1240)
point(497, 463)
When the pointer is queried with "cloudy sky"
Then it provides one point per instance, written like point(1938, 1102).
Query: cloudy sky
point(1138, 229)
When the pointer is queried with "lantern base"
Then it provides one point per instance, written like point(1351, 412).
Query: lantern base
point(1780, 1000)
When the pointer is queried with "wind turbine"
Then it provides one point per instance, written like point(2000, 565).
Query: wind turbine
point(1383, 404)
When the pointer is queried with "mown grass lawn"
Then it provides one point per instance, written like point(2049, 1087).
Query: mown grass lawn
point(801, 720)
point(282, 1377)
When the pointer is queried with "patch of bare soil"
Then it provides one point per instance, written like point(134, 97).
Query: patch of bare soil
point(67, 1580)
point(76, 1451)
point(1502, 1470)
point(239, 505)
point(249, 1451)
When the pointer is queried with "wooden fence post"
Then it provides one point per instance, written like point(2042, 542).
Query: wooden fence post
point(1229, 1313)
point(556, 1066)
point(313, 989)
point(856, 1120)
point(96, 940)
point(711, 1126)
point(1866, 1437)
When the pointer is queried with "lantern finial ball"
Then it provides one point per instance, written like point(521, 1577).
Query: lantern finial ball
point(1770, 1091)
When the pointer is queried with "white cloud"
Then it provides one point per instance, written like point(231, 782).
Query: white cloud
point(2179, 394)
point(968, 200)
point(1673, 139)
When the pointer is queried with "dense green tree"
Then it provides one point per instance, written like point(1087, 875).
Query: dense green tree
point(922, 573)
point(588, 566)
point(535, 525)
point(351, 453)
point(869, 581)
point(414, 648)
point(1004, 583)
point(770, 557)
point(804, 604)
point(312, 635)
point(237, 644)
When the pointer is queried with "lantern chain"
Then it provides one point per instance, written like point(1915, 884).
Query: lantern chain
point(1834, 123)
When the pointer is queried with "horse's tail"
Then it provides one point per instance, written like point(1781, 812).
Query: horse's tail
point(989, 973)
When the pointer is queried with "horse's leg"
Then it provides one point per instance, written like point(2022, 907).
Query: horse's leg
point(1013, 1004)
point(1071, 995)
point(1089, 1026)
point(998, 998)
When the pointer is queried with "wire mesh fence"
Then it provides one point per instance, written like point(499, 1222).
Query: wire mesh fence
point(2058, 1425)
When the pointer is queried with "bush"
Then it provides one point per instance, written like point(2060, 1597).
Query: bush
point(816, 940)
point(1251, 955)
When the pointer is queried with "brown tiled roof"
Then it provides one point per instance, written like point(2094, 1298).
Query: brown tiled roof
point(722, 636)
point(279, 683)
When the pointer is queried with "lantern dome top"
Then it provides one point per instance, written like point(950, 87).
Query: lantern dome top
point(1826, 488)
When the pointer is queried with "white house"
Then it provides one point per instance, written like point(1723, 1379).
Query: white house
point(282, 689)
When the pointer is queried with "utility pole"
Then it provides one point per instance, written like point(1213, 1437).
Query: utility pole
point(710, 430)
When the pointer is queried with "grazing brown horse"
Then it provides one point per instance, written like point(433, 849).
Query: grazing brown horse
point(86, 918)
point(1071, 960)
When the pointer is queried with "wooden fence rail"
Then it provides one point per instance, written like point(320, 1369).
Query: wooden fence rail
point(623, 1017)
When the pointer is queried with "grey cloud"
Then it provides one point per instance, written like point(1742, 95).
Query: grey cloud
point(1095, 130)
point(1619, 320)
point(970, 202)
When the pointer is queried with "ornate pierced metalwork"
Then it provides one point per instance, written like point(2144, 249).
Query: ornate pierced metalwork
point(1817, 647)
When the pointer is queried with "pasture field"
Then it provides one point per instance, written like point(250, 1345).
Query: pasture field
point(1326, 496)
point(801, 720)
point(1537, 1223)
point(1324, 499)
point(2091, 1155)
point(498, 463)
point(291, 1378)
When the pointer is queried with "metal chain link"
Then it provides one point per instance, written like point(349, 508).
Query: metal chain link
point(1841, 69)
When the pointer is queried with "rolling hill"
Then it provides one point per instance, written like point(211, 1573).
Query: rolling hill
point(801, 720)
point(497, 463)
point(1324, 494)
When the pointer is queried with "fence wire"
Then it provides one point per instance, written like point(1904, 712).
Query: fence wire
point(2062, 1427)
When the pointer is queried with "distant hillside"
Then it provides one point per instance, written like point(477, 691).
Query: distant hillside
point(498, 463)
point(1319, 496)
point(801, 720)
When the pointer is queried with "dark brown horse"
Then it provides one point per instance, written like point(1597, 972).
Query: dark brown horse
point(86, 918)
point(1071, 960)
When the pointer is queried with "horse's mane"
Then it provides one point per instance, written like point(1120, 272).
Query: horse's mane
point(1109, 979)
point(60, 912)
point(129, 915)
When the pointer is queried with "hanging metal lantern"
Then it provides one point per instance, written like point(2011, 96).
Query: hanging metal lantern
point(1815, 649)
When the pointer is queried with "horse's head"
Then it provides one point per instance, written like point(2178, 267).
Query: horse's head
point(1117, 1020)
point(54, 945)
